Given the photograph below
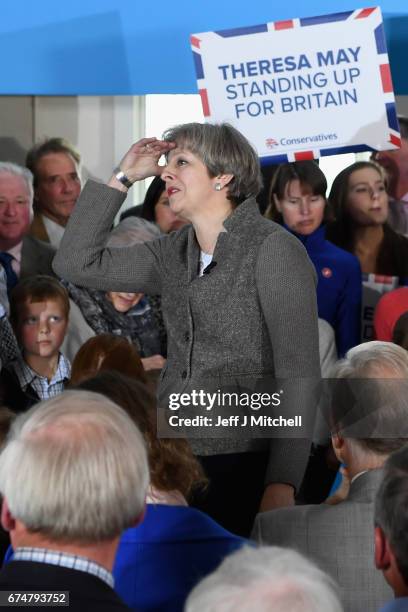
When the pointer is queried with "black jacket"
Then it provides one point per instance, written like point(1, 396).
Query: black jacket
point(86, 592)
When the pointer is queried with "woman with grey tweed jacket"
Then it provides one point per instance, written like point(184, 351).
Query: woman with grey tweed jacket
point(238, 298)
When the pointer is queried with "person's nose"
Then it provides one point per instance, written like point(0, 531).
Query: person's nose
point(10, 209)
point(304, 206)
point(44, 326)
point(67, 185)
point(167, 173)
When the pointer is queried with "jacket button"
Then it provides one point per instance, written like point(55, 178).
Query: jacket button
point(184, 374)
point(187, 336)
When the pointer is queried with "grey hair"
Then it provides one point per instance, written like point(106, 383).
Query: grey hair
point(22, 173)
point(132, 230)
point(370, 358)
point(370, 401)
point(391, 507)
point(75, 468)
point(223, 150)
point(267, 579)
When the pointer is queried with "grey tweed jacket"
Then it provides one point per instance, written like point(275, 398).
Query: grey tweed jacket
point(254, 315)
point(339, 538)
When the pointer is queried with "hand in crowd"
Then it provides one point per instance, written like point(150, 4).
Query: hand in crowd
point(141, 161)
point(277, 495)
point(155, 362)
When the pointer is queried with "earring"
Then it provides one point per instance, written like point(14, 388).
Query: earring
point(217, 186)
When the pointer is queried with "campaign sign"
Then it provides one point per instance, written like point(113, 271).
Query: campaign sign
point(301, 88)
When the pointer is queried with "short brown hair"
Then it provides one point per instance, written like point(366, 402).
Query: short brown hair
point(34, 289)
point(307, 173)
point(172, 463)
point(47, 146)
point(107, 352)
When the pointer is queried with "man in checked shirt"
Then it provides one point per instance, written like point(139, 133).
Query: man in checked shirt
point(73, 476)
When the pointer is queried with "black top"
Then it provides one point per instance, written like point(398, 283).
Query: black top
point(86, 592)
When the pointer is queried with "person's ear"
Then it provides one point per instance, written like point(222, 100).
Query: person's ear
point(277, 203)
point(223, 180)
point(337, 441)
point(382, 555)
point(338, 446)
point(8, 522)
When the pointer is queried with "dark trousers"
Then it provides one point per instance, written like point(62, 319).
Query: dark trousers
point(236, 486)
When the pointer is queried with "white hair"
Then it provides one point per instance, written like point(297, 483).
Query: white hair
point(21, 173)
point(266, 579)
point(75, 468)
point(370, 358)
point(371, 407)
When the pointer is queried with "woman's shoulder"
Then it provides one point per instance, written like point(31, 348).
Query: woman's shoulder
point(341, 255)
point(177, 523)
point(277, 239)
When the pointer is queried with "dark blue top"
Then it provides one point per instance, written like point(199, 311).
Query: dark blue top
point(339, 287)
point(160, 561)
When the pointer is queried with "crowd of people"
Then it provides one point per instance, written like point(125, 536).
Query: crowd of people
point(193, 291)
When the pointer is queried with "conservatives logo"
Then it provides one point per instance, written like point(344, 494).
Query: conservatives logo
point(271, 143)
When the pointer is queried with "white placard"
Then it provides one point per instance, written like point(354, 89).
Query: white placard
point(301, 88)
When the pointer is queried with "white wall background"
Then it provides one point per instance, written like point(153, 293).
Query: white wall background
point(104, 127)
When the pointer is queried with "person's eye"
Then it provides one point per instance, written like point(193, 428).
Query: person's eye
point(181, 161)
point(293, 201)
point(74, 176)
point(30, 321)
point(55, 319)
point(21, 201)
point(361, 189)
point(381, 188)
point(315, 199)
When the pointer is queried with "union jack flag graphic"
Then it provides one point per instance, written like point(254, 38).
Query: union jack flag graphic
point(271, 142)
